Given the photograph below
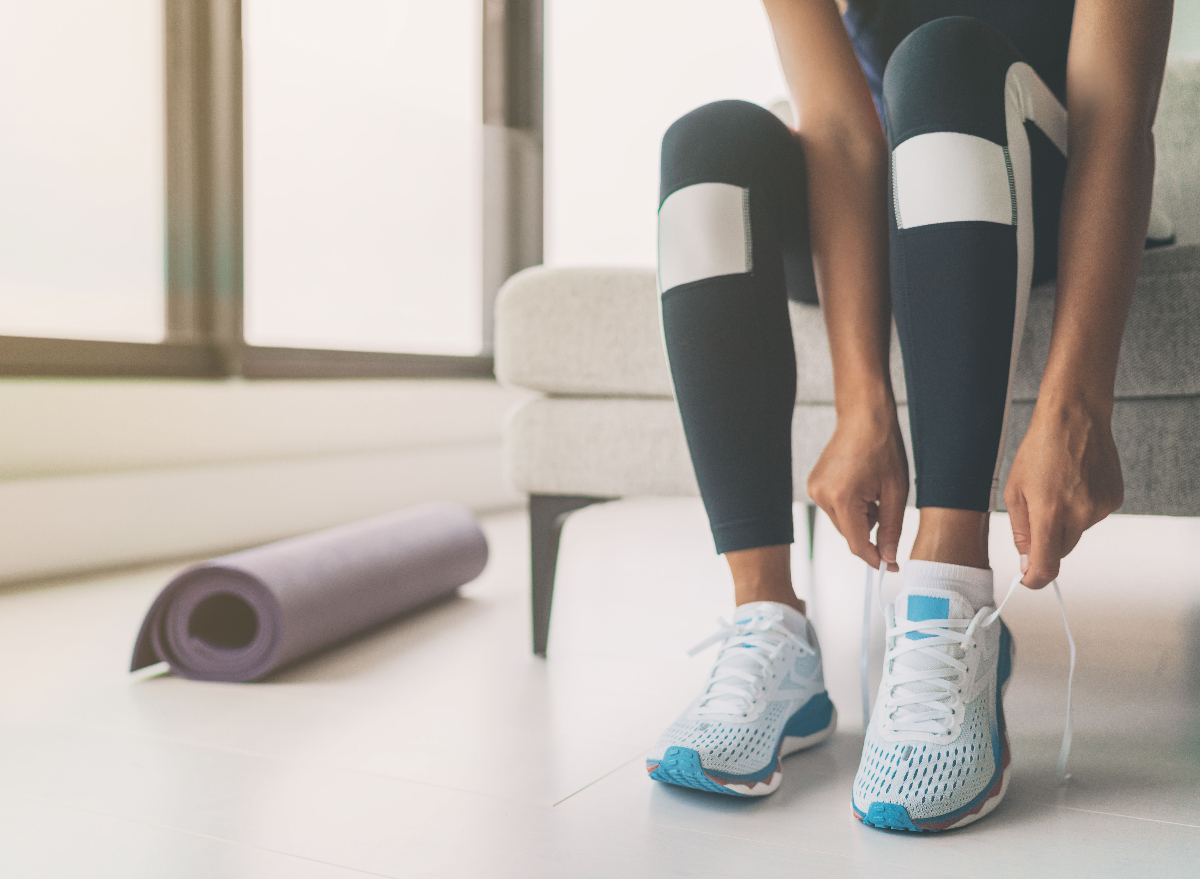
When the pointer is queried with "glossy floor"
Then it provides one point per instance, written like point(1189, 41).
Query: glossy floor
point(439, 746)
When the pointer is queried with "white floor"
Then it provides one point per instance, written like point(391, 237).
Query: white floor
point(440, 747)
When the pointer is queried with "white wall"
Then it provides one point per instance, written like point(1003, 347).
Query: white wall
point(100, 473)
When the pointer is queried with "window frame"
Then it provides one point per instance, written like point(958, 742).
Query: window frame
point(204, 242)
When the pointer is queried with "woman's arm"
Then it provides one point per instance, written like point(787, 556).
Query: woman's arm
point(862, 476)
point(1066, 476)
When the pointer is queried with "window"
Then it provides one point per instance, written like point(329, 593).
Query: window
point(265, 188)
point(362, 164)
point(618, 74)
point(81, 169)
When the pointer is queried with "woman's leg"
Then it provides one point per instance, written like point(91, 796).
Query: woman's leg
point(966, 237)
point(733, 242)
point(978, 161)
point(732, 234)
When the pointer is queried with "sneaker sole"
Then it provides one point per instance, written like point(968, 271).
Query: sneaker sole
point(681, 766)
point(893, 816)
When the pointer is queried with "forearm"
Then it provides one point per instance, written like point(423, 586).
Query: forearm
point(1114, 74)
point(1106, 207)
point(848, 218)
point(846, 155)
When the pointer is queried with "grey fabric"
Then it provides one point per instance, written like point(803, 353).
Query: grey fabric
point(1177, 149)
point(242, 616)
point(613, 447)
point(635, 447)
point(1160, 356)
point(586, 331)
point(594, 332)
point(606, 447)
point(1159, 443)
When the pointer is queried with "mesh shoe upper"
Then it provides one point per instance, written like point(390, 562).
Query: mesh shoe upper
point(936, 736)
point(928, 779)
point(767, 668)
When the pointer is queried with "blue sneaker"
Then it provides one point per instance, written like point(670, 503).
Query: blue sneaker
point(936, 753)
point(765, 699)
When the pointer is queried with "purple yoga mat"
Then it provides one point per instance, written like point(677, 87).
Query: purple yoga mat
point(242, 616)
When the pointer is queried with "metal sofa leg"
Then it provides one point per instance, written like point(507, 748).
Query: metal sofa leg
point(547, 514)
point(811, 509)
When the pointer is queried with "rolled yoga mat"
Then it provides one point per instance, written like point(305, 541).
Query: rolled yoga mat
point(242, 616)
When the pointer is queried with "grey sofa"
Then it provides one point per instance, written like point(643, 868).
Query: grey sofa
point(604, 425)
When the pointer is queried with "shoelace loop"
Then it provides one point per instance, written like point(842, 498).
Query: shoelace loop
point(933, 689)
point(1064, 750)
point(934, 702)
point(734, 686)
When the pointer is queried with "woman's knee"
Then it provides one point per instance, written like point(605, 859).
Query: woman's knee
point(723, 141)
point(948, 74)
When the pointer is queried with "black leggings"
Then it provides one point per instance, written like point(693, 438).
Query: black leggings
point(977, 145)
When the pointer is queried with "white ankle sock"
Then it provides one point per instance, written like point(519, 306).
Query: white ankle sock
point(973, 584)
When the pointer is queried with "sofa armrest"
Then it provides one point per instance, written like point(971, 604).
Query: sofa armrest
point(581, 331)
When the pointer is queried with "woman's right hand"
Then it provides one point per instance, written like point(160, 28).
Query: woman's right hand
point(861, 479)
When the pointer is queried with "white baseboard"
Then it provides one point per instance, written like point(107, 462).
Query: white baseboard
point(59, 525)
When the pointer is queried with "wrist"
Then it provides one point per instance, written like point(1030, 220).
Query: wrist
point(874, 404)
point(1078, 398)
point(1075, 381)
point(1067, 416)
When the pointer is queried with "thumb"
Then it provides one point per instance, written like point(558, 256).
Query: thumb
point(891, 521)
point(1018, 517)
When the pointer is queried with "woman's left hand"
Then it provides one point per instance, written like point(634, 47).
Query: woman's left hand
point(1066, 477)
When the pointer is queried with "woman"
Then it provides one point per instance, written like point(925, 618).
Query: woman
point(927, 177)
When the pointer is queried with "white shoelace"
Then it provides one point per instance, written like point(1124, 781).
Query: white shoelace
point(937, 685)
point(738, 676)
point(932, 688)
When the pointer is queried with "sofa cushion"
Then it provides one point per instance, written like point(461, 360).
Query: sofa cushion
point(629, 447)
point(1177, 150)
point(595, 332)
point(625, 447)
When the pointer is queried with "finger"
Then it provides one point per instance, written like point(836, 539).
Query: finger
point(1018, 518)
point(1045, 553)
point(857, 531)
point(891, 521)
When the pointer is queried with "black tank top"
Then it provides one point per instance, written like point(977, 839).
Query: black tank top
point(1040, 29)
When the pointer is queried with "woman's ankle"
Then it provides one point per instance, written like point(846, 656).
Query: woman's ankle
point(956, 537)
point(763, 573)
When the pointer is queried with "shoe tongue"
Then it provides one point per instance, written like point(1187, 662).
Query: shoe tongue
point(914, 605)
point(757, 610)
point(763, 610)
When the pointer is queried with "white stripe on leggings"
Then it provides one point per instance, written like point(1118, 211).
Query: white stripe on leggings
point(950, 177)
point(703, 232)
point(1026, 97)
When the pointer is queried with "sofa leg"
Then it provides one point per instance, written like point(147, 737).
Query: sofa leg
point(547, 515)
point(811, 520)
point(811, 509)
